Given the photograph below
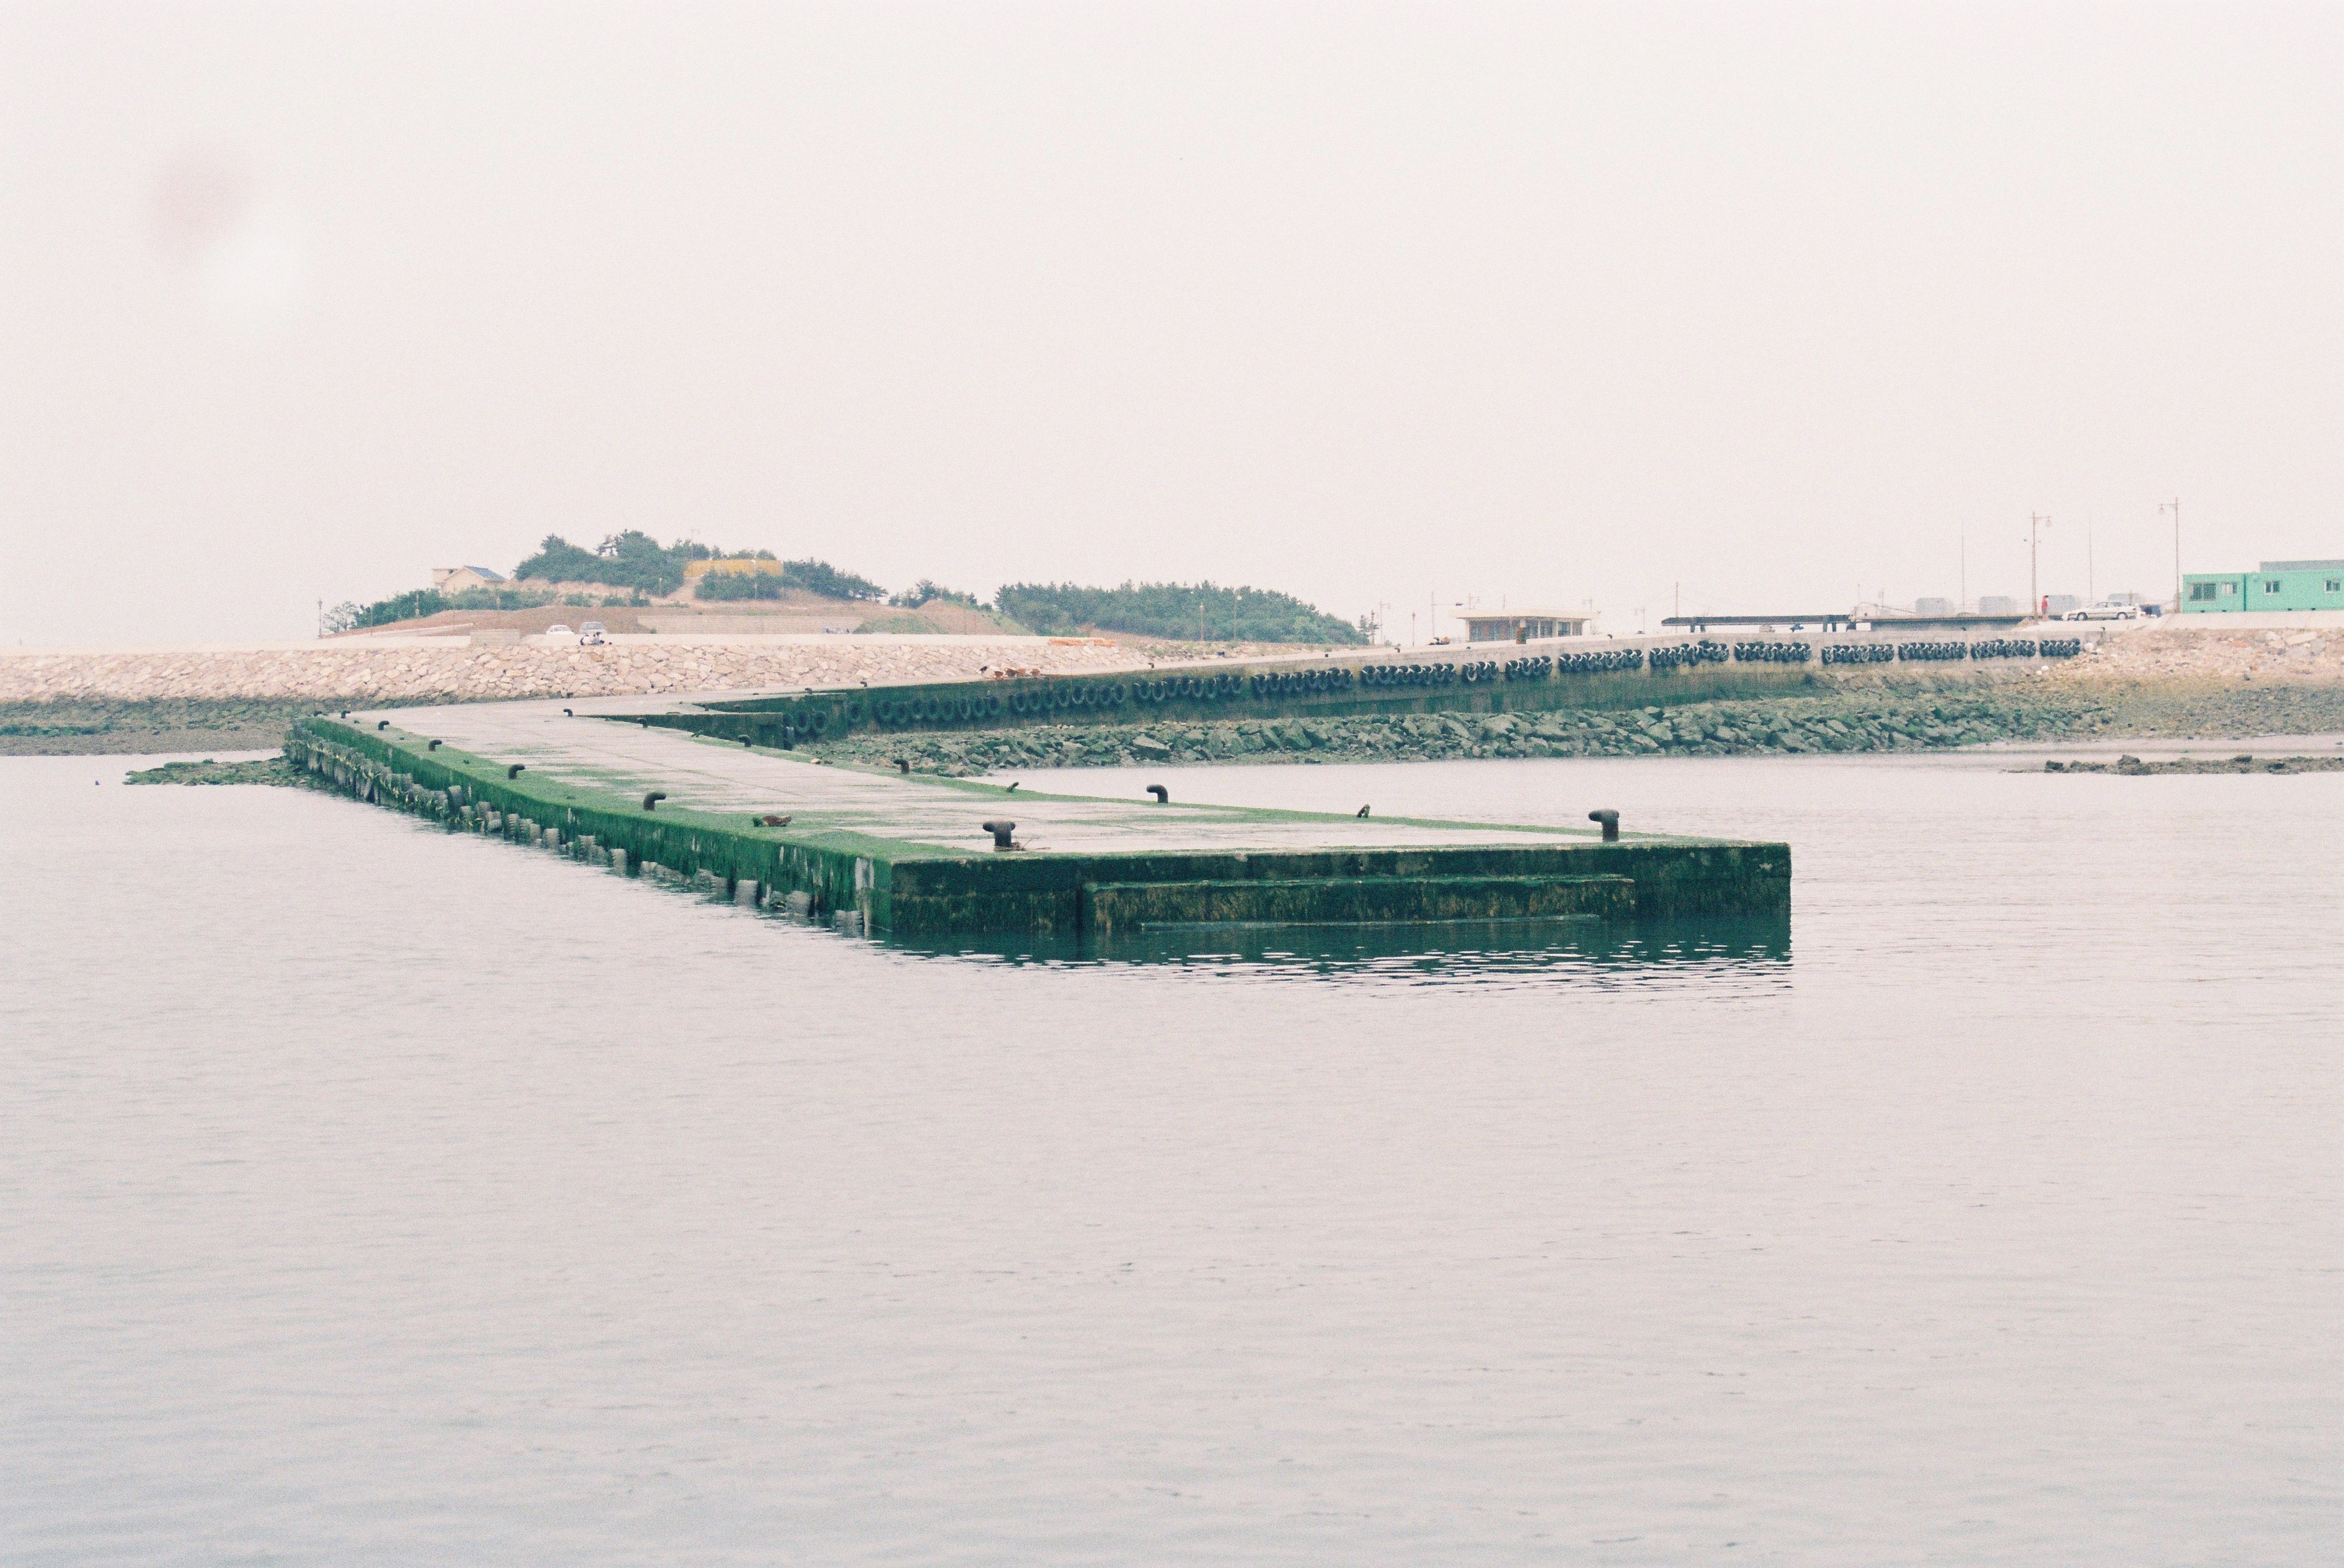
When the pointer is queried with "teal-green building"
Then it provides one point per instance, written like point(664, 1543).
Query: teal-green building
point(2273, 585)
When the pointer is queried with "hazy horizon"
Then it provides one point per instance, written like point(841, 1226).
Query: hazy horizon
point(1374, 306)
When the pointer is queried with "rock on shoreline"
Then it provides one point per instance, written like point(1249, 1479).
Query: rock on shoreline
point(1874, 718)
point(412, 672)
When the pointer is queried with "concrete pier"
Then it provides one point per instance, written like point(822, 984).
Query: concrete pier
point(882, 853)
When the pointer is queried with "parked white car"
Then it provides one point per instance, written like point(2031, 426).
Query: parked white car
point(2106, 610)
point(556, 629)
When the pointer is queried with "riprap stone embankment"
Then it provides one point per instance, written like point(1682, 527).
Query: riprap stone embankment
point(242, 698)
point(421, 670)
point(1867, 715)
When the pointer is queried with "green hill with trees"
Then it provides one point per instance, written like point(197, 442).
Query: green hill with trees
point(640, 567)
point(1174, 610)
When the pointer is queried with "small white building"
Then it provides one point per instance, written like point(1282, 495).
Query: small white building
point(454, 580)
point(1522, 625)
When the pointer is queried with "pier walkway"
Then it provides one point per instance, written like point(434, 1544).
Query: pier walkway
point(915, 854)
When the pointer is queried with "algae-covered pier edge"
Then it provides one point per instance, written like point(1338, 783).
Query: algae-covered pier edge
point(901, 886)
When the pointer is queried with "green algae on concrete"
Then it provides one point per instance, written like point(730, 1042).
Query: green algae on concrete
point(893, 853)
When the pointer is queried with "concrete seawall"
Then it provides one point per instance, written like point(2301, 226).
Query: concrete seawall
point(1612, 676)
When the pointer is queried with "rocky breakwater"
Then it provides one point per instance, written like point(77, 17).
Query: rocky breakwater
point(2199, 648)
point(1872, 718)
point(242, 699)
point(424, 669)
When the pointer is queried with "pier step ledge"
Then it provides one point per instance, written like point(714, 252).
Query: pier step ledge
point(1108, 906)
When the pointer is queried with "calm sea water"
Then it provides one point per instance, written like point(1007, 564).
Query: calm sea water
point(373, 1195)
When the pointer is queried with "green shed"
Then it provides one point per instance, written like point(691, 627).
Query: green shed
point(2273, 585)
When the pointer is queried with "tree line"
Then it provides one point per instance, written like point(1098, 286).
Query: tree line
point(638, 565)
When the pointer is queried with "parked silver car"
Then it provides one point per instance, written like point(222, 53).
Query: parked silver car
point(2106, 610)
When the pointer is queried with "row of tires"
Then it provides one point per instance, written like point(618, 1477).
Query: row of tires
point(1685, 654)
point(1389, 677)
point(1301, 683)
point(1610, 661)
point(2028, 648)
point(815, 720)
point(1927, 653)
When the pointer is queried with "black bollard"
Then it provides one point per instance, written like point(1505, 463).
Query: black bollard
point(1610, 821)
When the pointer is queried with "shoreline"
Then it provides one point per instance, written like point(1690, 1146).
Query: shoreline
point(1856, 714)
point(1850, 719)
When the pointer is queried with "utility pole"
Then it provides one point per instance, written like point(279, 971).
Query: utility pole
point(2173, 506)
point(1676, 600)
point(2036, 521)
point(1964, 607)
point(2091, 590)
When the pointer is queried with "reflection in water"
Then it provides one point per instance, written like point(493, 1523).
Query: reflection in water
point(1479, 950)
point(371, 1194)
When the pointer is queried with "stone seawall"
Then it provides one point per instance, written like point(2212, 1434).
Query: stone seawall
point(409, 671)
point(1867, 715)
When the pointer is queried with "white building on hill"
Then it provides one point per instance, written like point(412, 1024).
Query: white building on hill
point(454, 580)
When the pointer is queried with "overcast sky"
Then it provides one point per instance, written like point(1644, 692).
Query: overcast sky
point(1373, 304)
